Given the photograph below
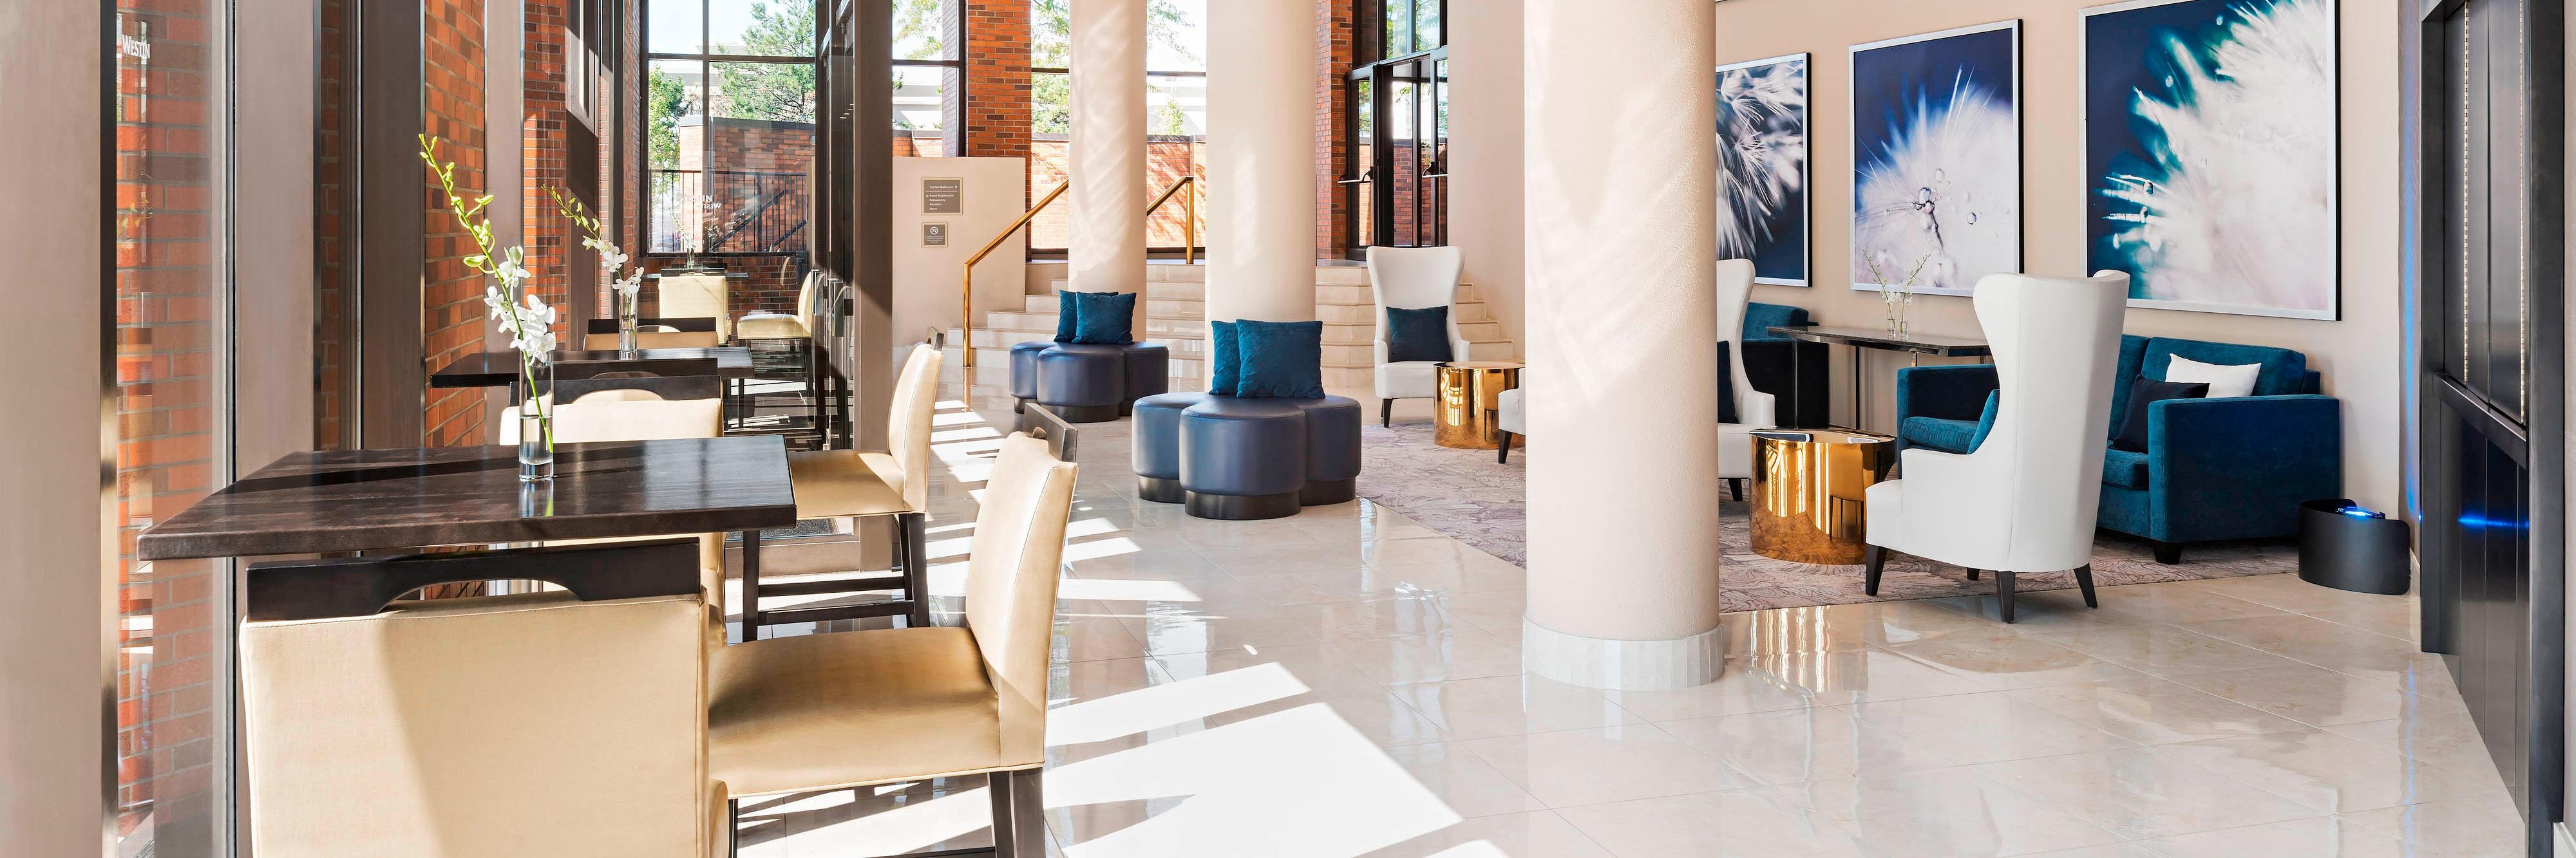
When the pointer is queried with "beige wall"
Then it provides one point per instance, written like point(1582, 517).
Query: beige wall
point(1485, 184)
point(2358, 355)
point(927, 278)
point(54, 651)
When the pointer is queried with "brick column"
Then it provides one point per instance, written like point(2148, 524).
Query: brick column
point(995, 116)
point(544, 149)
point(1336, 53)
point(452, 311)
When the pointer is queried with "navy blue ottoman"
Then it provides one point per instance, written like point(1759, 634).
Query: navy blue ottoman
point(1087, 383)
point(1241, 459)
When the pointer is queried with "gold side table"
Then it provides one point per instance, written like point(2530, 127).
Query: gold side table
point(1810, 492)
point(1466, 403)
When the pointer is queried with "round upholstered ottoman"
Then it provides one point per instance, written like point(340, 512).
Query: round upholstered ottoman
point(1024, 372)
point(1082, 382)
point(1243, 458)
point(1332, 450)
point(1157, 445)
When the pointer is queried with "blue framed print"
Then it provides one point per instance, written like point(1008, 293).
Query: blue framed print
point(2210, 154)
point(1762, 167)
point(1936, 159)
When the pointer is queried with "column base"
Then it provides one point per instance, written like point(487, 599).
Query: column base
point(1617, 665)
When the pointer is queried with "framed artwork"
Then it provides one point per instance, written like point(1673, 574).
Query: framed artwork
point(1936, 158)
point(2211, 156)
point(1762, 167)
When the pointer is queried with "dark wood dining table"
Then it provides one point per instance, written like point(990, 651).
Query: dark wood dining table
point(1912, 344)
point(498, 369)
point(397, 499)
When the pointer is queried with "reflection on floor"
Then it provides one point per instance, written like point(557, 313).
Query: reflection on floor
point(1347, 683)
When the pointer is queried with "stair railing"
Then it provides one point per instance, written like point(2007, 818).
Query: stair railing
point(1189, 245)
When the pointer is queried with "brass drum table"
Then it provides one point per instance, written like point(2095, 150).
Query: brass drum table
point(1466, 404)
point(1810, 492)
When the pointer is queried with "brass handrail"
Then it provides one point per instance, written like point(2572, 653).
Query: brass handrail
point(967, 323)
point(1189, 245)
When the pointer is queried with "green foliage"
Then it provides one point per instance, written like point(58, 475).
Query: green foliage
point(773, 91)
point(666, 100)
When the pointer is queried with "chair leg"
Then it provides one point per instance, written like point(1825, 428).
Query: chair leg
point(1972, 573)
point(733, 828)
point(2084, 581)
point(914, 529)
point(2168, 553)
point(2004, 592)
point(1735, 487)
point(1503, 454)
point(1876, 559)
point(1019, 814)
point(1386, 412)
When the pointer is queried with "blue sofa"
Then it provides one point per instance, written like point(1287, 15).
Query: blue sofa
point(1793, 372)
point(2234, 468)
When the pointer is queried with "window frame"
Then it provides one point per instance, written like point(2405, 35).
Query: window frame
point(707, 62)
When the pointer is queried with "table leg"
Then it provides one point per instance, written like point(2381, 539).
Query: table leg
point(1857, 357)
point(1797, 388)
point(750, 585)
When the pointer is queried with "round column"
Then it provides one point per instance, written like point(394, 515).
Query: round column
point(1105, 251)
point(1261, 160)
point(1622, 402)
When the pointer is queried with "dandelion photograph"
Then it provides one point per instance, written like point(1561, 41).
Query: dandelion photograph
point(1936, 159)
point(2210, 152)
point(1762, 167)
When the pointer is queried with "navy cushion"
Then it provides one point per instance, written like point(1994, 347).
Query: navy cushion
point(1106, 318)
point(1986, 421)
point(1280, 359)
point(1225, 371)
point(1417, 335)
point(2124, 468)
point(1067, 310)
point(1950, 436)
point(1760, 318)
point(2146, 392)
point(1725, 382)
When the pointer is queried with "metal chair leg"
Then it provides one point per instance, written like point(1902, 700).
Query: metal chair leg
point(1019, 813)
point(733, 827)
point(913, 534)
point(1875, 558)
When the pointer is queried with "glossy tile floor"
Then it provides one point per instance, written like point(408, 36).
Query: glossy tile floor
point(1347, 683)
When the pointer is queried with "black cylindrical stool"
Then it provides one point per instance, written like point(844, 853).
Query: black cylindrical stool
point(2342, 547)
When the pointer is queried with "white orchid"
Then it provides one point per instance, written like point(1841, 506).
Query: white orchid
point(522, 315)
point(611, 259)
point(512, 268)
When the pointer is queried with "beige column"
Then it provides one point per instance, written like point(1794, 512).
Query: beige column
point(1106, 250)
point(1623, 487)
point(1261, 160)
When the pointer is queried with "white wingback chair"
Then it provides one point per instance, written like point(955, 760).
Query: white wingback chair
point(1412, 278)
point(1753, 408)
point(2024, 500)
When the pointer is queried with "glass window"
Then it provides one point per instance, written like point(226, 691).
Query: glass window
point(1398, 40)
point(173, 416)
point(676, 27)
point(1175, 112)
point(925, 30)
point(1426, 24)
point(761, 28)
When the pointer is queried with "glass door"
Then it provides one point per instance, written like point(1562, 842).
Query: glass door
point(1397, 193)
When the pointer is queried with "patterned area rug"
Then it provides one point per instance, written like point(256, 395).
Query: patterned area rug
point(1464, 494)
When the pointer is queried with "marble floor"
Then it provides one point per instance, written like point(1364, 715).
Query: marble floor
point(1347, 683)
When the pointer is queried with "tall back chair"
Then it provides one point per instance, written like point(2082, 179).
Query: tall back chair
point(2023, 499)
point(534, 724)
point(865, 483)
point(697, 295)
point(1412, 278)
point(1753, 408)
point(639, 415)
point(655, 332)
point(836, 711)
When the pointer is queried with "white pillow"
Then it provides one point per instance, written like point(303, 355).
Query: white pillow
point(2224, 381)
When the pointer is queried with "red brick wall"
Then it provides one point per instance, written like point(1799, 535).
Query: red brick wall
point(167, 405)
point(1335, 55)
point(997, 81)
point(452, 312)
point(1167, 159)
point(331, 204)
point(543, 147)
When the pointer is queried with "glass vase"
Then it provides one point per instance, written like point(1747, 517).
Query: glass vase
point(536, 422)
point(626, 301)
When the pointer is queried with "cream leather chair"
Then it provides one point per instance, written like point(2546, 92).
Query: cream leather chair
point(1512, 418)
point(696, 296)
point(634, 415)
point(1754, 409)
point(2024, 500)
point(533, 724)
point(860, 484)
point(1412, 278)
point(837, 711)
point(785, 326)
